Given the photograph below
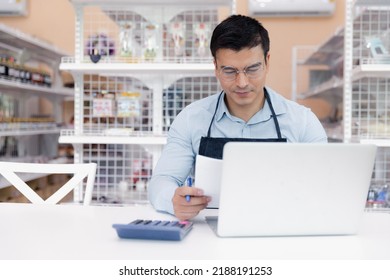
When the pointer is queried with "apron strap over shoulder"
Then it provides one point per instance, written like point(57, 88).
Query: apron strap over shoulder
point(213, 147)
point(215, 112)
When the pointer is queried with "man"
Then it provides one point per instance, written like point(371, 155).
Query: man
point(244, 111)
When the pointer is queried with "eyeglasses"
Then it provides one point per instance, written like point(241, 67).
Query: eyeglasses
point(229, 73)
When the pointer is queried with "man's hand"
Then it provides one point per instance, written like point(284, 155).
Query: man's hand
point(184, 209)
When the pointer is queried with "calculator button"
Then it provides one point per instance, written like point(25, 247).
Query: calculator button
point(155, 223)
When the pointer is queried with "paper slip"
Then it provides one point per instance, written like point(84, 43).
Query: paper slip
point(208, 177)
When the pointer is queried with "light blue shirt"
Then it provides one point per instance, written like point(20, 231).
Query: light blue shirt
point(297, 124)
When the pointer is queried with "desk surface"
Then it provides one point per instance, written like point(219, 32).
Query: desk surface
point(85, 232)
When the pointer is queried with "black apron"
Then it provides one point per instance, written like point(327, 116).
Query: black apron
point(213, 147)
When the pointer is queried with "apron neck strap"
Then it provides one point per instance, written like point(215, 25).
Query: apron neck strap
point(273, 113)
point(215, 112)
point(267, 98)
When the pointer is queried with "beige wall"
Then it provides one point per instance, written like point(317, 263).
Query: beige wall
point(288, 32)
point(50, 20)
point(53, 21)
point(285, 33)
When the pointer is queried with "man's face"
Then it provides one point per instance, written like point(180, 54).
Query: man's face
point(244, 91)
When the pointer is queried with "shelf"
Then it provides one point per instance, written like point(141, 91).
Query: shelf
point(67, 136)
point(207, 3)
point(20, 104)
point(333, 88)
point(151, 140)
point(372, 2)
point(21, 41)
point(26, 132)
point(371, 70)
point(206, 69)
point(94, 158)
point(378, 142)
point(28, 89)
point(329, 51)
point(333, 49)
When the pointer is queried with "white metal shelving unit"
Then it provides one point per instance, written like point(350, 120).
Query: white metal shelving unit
point(24, 137)
point(352, 71)
point(367, 87)
point(137, 64)
point(367, 70)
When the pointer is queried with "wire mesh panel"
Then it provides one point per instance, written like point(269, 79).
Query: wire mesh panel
point(188, 34)
point(122, 174)
point(183, 92)
point(371, 36)
point(368, 84)
point(116, 104)
point(370, 101)
point(371, 108)
point(130, 165)
point(131, 33)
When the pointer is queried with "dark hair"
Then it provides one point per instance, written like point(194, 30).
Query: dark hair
point(238, 32)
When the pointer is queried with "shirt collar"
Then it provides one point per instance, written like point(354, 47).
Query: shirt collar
point(263, 115)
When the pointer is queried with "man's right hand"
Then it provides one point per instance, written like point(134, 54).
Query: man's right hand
point(185, 210)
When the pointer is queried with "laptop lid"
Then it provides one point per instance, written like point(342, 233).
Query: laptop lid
point(285, 189)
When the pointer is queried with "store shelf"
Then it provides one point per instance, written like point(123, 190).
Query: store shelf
point(20, 41)
point(352, 69)
point(332, 87)
point(371, 70)
point(328, 52)
point(68, 136)
point(104, 68)
point(368, 48)
point(318, 73)
point(25, 132)
point(29, 79)
point(367, 83)
point(154, 3)
point(20, 88)
point(378, 142)
point(380, 3)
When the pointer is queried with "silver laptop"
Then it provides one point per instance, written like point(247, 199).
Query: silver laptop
point(286, 189)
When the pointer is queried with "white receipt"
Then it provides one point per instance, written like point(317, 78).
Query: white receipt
point(208, 178)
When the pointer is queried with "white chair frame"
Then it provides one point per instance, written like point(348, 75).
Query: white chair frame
point(80, 171)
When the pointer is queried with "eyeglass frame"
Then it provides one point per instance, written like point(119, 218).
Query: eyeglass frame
point(237, 72)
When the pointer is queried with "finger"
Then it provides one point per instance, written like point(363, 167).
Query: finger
point(183, 191)
point(188, 211)
point(195, 201)
point(185, 216)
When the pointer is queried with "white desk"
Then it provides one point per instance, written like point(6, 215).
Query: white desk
point(76, 232)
